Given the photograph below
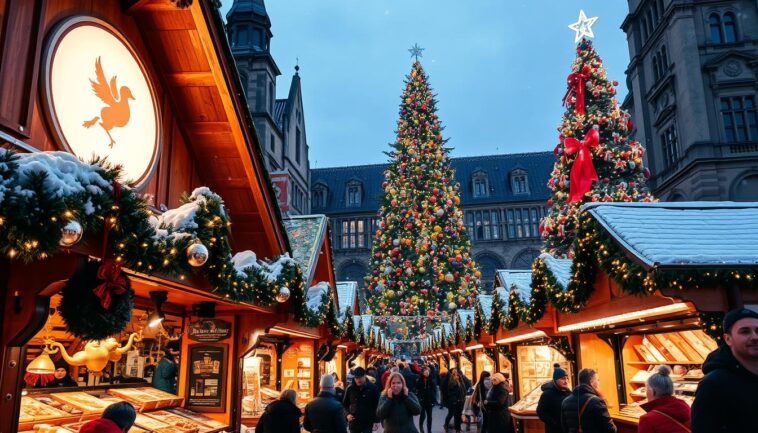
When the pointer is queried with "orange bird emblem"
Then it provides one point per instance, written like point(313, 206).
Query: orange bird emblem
point(116, 110)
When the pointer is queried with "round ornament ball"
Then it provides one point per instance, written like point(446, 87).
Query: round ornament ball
point(451, 306)
point(71, 233)
point(197, 254)
point(283, 294)
point(449, 277)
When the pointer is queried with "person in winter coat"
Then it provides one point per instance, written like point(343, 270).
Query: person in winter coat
point(496, 405)
point(62, 378)
point(481, 389)
point(426, 390)
point(665, 413)
point(361, 399)
point(409, 376)
point(116, 418)
point(167, 369)
point(726, 399)
point(281, 416)
point(454, 394)
point(397, 406)
point(553, 394)
point(586, 407)
point(324, 414)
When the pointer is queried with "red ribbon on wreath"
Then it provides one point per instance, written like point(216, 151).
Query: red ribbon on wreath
point(582, 171)
point(576, 86)
point(114, 282)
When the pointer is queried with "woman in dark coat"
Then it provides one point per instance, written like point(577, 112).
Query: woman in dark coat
point(479, 396)
point(397, 406)
point(496, 405)
point(426, 389)
point(455, 396)
point(281, 416)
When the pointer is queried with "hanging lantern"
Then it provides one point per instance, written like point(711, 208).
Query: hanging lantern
point(283, 294)
point(197, 254)
point(42, 364)
point(71, 233)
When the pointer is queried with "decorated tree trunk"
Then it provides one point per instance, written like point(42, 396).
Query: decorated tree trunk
point(596, 159)
point(420, 258)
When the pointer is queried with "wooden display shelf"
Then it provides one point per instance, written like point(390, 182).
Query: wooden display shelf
point(688, 362)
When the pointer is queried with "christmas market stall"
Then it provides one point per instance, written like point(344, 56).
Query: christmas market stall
point(138, 228)
point(648, 285)
point(335, 360)
point(527, 335)
point(287, 355)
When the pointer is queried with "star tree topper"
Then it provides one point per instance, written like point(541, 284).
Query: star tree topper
point(583, 27)
point(415, 51)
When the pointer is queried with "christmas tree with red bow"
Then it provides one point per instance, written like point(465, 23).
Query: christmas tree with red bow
point(596, 159)
point(421, 263)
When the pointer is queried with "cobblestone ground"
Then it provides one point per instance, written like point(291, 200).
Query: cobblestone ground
point(438, 418)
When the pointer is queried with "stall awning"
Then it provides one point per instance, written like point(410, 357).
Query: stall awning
point(347, 295)
point(683, 234)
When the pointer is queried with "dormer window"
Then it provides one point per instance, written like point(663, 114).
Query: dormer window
point(354, 193)
point(319, 192)
point(519, 181)
point(480, 183)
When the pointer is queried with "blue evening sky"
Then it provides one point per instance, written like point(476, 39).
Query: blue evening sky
point(498, 68)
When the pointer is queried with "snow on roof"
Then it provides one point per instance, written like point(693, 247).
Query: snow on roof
point(503, 297)
point(560, 268)
point(314, 295)
point(683, 233)
point(247, 260)
point(464, 316)
point(447, 328)
point(346, 295)
point(485, 302)
point(519, 281)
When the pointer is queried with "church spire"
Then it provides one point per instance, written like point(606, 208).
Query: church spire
point(249, 26)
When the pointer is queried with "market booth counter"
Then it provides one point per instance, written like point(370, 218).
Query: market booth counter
point(653, 281)
point(528, 336)
point(185, 128)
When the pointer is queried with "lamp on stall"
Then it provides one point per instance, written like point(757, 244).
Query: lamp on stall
point(156, 317)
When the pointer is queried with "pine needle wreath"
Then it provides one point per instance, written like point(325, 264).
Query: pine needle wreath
point(81, 310)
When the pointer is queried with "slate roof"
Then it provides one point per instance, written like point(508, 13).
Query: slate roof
point(691, 234)
point(279, 107)
point(498, 168)
point(256, 7)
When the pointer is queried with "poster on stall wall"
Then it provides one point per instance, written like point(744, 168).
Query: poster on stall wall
point(299, 357)
point(206, 389)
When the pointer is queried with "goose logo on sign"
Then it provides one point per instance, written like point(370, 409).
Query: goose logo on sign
point(99, 98)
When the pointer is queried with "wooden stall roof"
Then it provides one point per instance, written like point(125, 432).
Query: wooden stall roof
point(347, 297)
point(308, 236)
point(192, 55)
point(682, 234)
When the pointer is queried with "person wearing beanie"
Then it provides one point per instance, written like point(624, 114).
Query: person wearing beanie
point(360, 401)
point(665, 413)
point(116, 418)
point(725, 400)
point(62, 378)
point(553, 394)
point(496, 405)
point(325, 413)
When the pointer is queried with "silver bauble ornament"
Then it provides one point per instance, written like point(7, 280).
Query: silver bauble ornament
point(197, 254)
point(71, 233)
point(451, 306)
point(283, 294)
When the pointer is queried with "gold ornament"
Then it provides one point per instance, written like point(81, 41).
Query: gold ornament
point(197, 254)
point(96, 353)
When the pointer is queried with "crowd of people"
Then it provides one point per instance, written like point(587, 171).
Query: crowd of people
point(726, 399)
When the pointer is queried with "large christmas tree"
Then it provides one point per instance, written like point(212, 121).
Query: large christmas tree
point(420, 258)
point(596, 159)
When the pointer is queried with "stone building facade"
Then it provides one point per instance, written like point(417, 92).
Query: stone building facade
point(693, 89)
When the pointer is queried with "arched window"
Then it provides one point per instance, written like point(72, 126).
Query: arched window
point(488, 264)
point(480, 183)
point(714, 23)
point(524, 259)
point(676, 197)
point(730, 31)
point(519, 181)
point(354, 193)
point(746, 189)
point(352, 272)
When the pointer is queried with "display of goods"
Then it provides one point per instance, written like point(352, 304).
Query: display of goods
point(34, 412)
point(529, 402)
point(199, 418)
point(187, 425)
point(147, 423)
point(86, 403)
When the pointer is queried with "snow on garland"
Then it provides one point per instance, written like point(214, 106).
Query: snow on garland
point(41, 192)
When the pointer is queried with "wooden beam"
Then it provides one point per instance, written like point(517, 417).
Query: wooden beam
point(191, 79)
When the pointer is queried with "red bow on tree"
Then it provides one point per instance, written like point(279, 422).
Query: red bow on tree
point(582, 171)
point(114, 282)
point(576, 85)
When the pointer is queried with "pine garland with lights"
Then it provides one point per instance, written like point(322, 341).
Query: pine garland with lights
point(616, 160)
point(563, 346)
point(532, 310)
point(35, 205)
point(712, 323)
point(506, 314)
point(420, 258)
